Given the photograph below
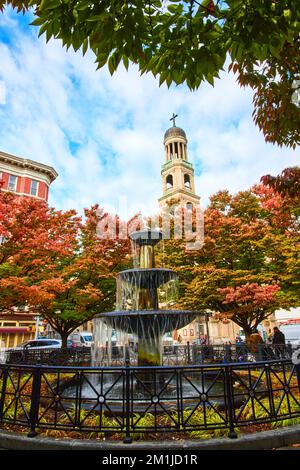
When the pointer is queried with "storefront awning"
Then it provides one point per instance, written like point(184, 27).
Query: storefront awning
point(13, 330)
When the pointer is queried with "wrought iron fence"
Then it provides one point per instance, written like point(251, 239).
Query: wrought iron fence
point(54, 356)
point(131, 402)
point(172, 355)
point(239, 352)
point(198, 354)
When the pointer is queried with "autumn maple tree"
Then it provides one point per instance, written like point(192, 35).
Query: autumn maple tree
point(249, 265)
point(82, 284)
point(33, 238)
point(249, 304)
point(56, 263)
point(286, 184)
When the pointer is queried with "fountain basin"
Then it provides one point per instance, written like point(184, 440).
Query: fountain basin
point(147, 323)
point(147, 278)
point(146, 237)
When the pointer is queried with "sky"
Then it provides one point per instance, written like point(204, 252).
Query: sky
point(104, 135)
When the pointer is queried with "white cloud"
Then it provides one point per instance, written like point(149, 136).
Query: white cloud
point(104, 134)
point(2, 92)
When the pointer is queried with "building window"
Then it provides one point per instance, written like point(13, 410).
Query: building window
point(189, 206)
point(34, 187)
point(12, 183)
point(176, 149)
point(187, 181)
point(191, 332)
point(169, 181)
point(201, 329)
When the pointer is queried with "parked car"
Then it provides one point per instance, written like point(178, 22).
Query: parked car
point(39, 344)
point(33, 350)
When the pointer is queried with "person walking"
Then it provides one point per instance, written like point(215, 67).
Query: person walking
point(278, 342)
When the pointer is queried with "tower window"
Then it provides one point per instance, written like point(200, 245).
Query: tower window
point(189, 206)
point(176, 149)
point(12, 183)
point(187, 181)
point(169, 181)
point(33, 187)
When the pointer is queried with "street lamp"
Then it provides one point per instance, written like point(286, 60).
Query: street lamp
point(208, 314)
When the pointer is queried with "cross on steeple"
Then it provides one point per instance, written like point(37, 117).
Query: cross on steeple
point(173, 119)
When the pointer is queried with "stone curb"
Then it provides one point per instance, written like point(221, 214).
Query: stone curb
point(258, 441)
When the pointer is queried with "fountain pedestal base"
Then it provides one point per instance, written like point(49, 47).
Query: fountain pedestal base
point(150, 351)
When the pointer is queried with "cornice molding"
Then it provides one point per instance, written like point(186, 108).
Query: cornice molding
point(29, 165)
point(176, 163)
point(180, 192)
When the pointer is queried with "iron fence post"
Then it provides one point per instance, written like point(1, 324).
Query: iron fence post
point(35, 401)
point(297, 368)
point(259, 352)
point(230, 401)
point(289, 350)
point(3, 392)
point(270, 391)
point(188, 352)
point(127, 354)
point(127, 439)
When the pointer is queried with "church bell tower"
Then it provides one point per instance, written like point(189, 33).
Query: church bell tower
point(177, 172)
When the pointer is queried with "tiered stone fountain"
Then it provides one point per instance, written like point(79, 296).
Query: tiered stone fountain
point(144, 297)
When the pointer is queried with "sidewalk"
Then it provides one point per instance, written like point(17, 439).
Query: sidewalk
point(291, 447)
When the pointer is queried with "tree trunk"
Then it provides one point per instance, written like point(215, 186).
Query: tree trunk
point(248, 331)
point(64, 339)
point(246, 328)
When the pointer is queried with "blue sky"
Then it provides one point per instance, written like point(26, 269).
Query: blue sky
point(104, 134)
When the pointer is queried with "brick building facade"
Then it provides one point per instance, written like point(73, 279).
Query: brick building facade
point(27, 178)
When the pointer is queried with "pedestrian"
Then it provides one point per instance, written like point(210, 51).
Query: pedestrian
point(270, 337)
point(278, 342)
point(269, 346)
point(227, 351)
point(203, 340)
point(289, 349)
point(240, 348)
point(256, 344)
point(238, 340)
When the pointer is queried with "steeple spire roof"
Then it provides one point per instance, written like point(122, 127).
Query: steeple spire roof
point(174, 131)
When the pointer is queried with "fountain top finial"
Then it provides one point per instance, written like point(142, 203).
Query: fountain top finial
point(146, 237)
